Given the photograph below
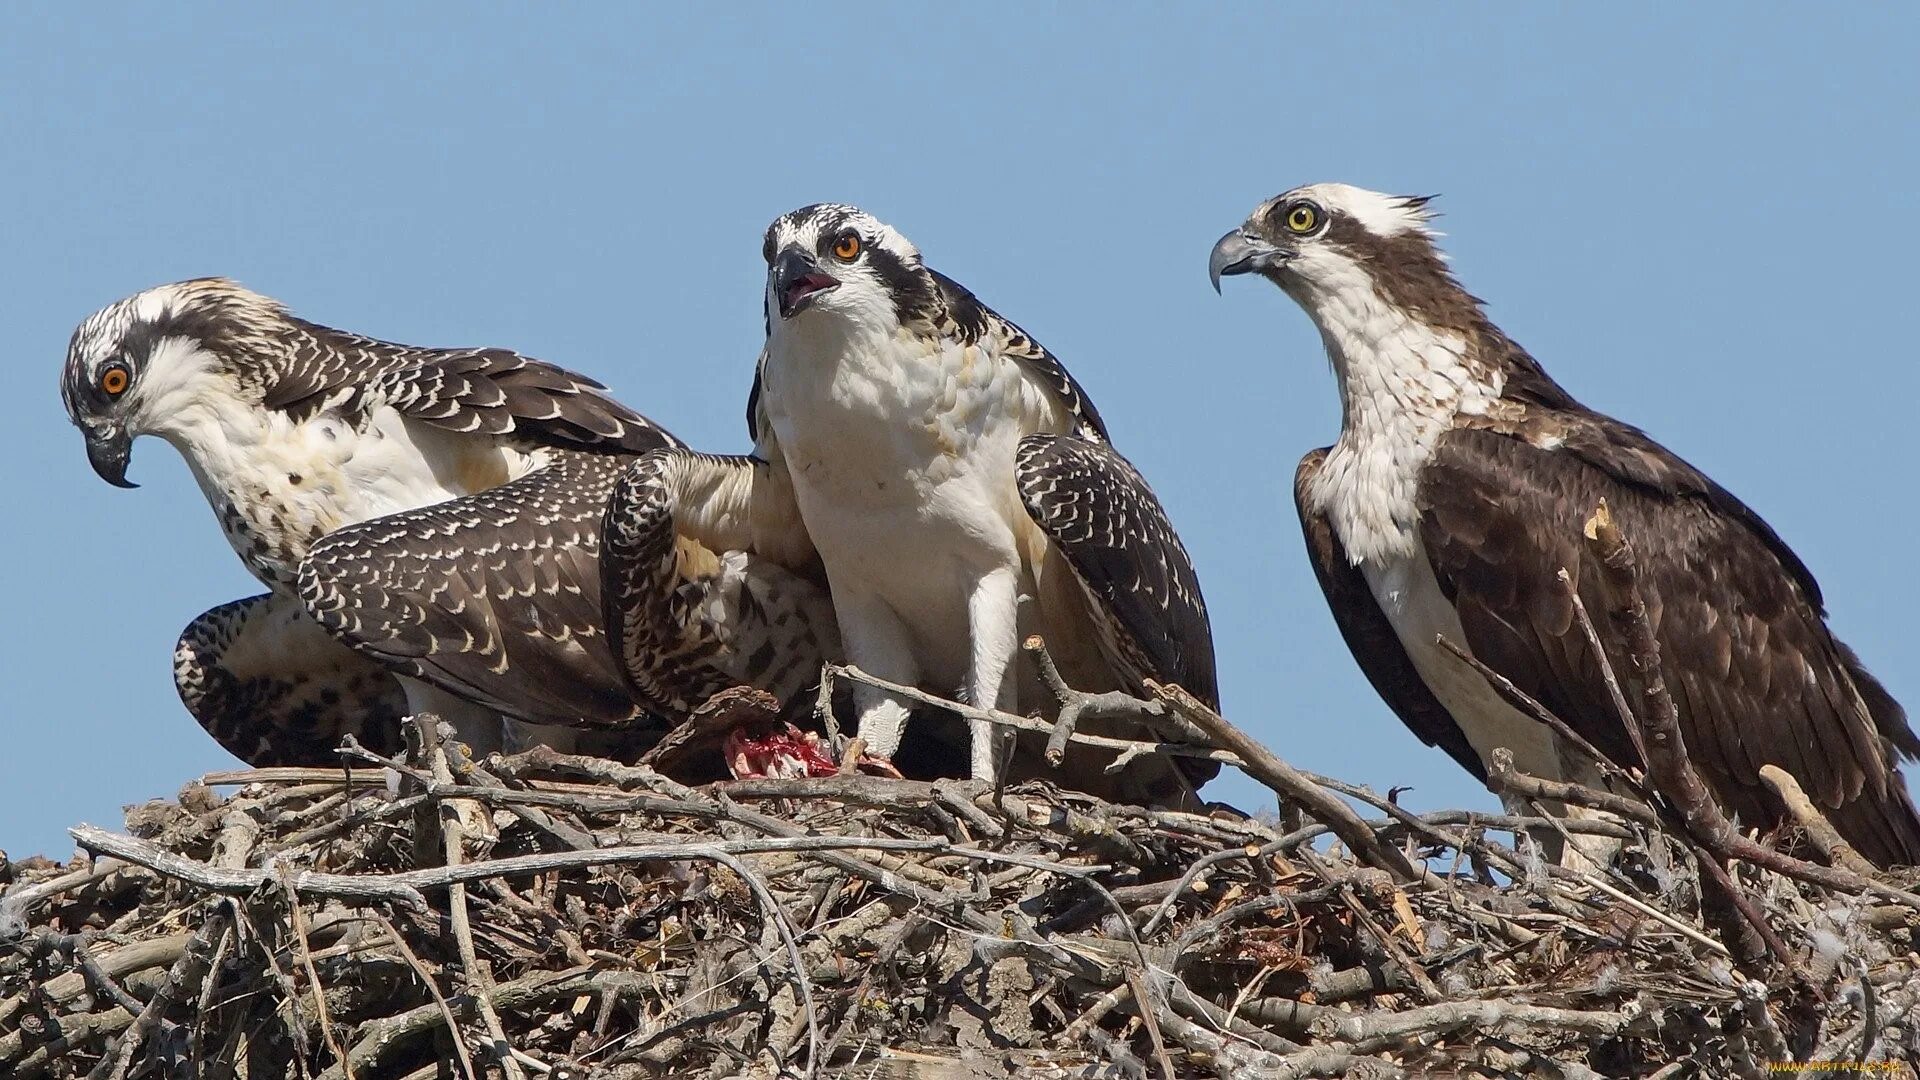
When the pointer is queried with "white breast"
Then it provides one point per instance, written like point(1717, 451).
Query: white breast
point(901, 452)
point(277, 484)
point(1409, 594)
point(1403, 384)
point(887, 430)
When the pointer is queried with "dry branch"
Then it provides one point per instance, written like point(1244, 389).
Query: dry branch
point(619, 923)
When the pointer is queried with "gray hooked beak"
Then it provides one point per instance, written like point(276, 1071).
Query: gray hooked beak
point(1238, 253)
point(797, 279)
point(107, 452)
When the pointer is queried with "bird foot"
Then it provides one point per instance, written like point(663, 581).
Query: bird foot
point(856, 760)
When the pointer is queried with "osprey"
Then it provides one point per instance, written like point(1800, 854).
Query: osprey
point(958, 489)
point(427, 521)
point(1457, 491)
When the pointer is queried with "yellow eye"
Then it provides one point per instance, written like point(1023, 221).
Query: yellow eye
point(113, 381)
point(1303, 218)
point(847, 247)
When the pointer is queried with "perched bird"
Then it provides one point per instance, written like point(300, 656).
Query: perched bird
point(427, 520)
point(1458, 490)
point(958, 489)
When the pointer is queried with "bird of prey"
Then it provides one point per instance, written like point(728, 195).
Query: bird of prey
point(1457, 491)
point(427, 521)
point(960, 491)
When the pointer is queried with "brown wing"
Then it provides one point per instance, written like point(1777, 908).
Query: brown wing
point(1098, 509)
point(1139, 585)
point(1370, 637)
point(275, 689)
point(1757, 676)
point(489, 391)
point(494, 597)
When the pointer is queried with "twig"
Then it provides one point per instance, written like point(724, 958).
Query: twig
point(1378, 1030)
point(114, 1065)
point(1629, 722)
point(1142, 993)
point(289, 993)
point(1652, 912)
point(97, 978)
point(299, 920)
point(791, 939)
point(292, 774)
point(1531, 706)
point(1076, 705)
point(1027, 723)
point(1384, 938)
point(1265, 766)
point(479, 978)
point(379, 1039)
point(124, 961)
point(440, 1001)
point(1821, 831)
point(406, 887)
point(18, 901)
point(1502, 777)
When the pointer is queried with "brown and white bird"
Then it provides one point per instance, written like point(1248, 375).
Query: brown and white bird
point(710, 581)
point(1458, 489)
point(960, 492)
point(427, 520)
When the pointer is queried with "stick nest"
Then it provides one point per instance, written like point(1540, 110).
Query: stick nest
point(560, 916)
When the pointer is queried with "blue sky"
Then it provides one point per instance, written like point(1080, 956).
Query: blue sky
point(1701, 218)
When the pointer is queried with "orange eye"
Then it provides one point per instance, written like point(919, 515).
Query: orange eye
point(114, 380)
point(847, 246)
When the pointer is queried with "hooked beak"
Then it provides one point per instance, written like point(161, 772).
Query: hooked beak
point(108, 451)
point(1238, 253)
point(796, 280)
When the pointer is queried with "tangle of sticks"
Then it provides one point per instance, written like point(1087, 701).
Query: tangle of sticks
point(552, 915)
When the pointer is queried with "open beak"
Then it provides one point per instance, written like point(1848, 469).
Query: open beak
point(797, 279)
point(108, 452)
point(1238, 253)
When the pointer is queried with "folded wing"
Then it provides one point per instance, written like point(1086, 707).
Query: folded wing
point(494, 597)
point(1139, 583)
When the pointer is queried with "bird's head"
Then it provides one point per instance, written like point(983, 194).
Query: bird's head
point(1322, 241)
point(829, 261)
point(144, 365)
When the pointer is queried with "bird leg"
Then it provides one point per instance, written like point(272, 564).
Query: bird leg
point(876, 642)
point(993, 624)
point(477, 729)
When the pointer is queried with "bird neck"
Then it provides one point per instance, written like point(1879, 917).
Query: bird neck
point(819, 361)
point(1401, 379)
point(1403, 384)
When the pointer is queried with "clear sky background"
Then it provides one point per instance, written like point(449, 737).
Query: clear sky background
point(1701, 218)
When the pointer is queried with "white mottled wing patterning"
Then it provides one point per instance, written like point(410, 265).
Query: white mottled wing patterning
point(274, 688)
point(1139, 582)
point(495, 596)
point(698, 597)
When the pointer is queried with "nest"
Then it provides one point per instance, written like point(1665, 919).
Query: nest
point(566, 916)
